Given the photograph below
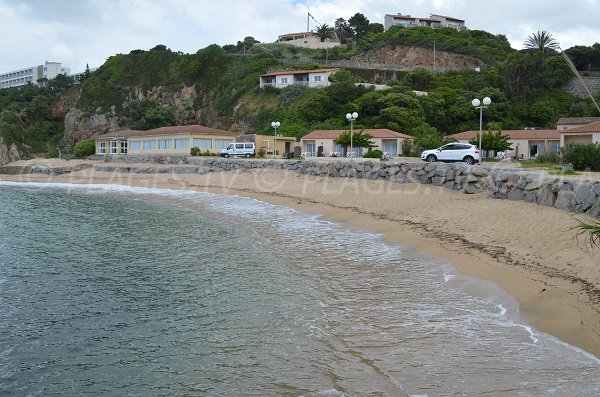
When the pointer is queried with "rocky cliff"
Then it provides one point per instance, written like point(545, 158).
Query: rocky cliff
point(418, 57)
point(8, 154)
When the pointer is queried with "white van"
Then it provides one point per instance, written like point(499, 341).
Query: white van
point(246, 149)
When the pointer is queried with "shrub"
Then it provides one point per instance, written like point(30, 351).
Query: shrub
point(552, 158)
point(373, 154)
point(195, 151)
point(84, 148)
point(261, 153)
point(582, 156)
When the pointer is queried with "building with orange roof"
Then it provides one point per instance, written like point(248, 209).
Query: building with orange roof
point(321, 142)
point(586, 133)
point(315, 78)
point(525, 144)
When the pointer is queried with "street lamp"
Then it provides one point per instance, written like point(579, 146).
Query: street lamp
point(477, 105)
point(275, 125)
point(351, 118)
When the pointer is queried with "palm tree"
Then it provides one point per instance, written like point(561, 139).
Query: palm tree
point(541, 41)
point(341, 29)
point(324, 32)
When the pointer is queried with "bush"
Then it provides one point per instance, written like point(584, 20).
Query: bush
point(261, 153)
point(582, 156)
point(84, 148)
point(195, 151)
point(552, 158)
point(373, 154)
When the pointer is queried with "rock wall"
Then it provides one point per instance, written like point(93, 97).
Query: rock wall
point(569, 194)
point(8, 154)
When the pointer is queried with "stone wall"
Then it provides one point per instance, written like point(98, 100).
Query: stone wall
point(570, 194)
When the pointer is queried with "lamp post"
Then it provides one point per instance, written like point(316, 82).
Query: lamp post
point(275, 125)
point(477, 105)
point(351, 118)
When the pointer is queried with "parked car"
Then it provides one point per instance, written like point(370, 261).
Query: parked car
point(245, 149)
point(452, 152)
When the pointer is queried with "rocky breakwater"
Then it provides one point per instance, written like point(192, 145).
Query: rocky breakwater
point(569, 194)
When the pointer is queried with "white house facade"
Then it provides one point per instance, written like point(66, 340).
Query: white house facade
point(316, 78)
point(321, 143)
point(307, 40)
point(434, 21)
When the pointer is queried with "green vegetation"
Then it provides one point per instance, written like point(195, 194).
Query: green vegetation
point(84, 148)
point(591, 230)
point(582, 156)
point(144, 89)
point(373, 154)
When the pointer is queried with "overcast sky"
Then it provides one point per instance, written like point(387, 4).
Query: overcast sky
point(80, 32)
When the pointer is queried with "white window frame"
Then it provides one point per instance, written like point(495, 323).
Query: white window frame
point(135, 146)
point(113, 147)
point(101, 147)
point(182, 143)
point(203, 143)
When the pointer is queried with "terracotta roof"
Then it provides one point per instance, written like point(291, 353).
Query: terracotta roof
point(375, 133)
point(174, 130)
point(513, 134)
point(395, 16)
point(577, 120)
point(592, 127)
point(299, 72)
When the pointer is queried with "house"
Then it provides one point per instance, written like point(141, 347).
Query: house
point(525, 144)
point(321, 142)
point(272, 145)
point(307, 40)
point(434, 21)
point(315, 78)
point(32, 74)
point(165, 140)
point(587, 133)
point(564, 123)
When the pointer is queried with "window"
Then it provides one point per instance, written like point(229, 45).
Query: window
point(239, 145)
point(182, 143)
point(165, 144)
point(150, 144)
point(310, 148)
point(317, 78)
point(248, 145)
point(101, 147)
point(135, 146)
point(222, 143)
point(114, 145)
point(123, 147)
point(203, 143)
point(284, 80)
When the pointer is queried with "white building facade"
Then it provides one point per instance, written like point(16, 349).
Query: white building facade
point(316, 78)
point(21, 77)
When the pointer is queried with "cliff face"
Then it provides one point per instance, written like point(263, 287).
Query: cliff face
point(80, 125)
point(8, 154)
point(418, 57)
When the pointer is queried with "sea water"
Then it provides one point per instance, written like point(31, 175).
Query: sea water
point(110, 290)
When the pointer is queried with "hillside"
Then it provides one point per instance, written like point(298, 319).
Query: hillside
point(218, 87)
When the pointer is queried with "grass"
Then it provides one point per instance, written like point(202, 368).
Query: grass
point(590, 230)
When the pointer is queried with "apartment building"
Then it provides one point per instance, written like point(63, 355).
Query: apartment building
point(434, 21)
point(32, 74)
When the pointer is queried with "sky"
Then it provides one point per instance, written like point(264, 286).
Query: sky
point(80, 32)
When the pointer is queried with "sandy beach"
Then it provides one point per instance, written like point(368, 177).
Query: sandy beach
point(529, 250)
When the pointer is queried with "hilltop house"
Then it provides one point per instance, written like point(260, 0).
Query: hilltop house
point(434, 21)
point(564, 123)
point(315, 78)
point(526, 144)
point(321, 142)
point(164, 140)
point(307, 40)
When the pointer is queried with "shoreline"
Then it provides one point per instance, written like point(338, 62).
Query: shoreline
point(527, 249)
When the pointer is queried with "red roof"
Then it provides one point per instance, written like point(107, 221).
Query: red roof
point(299, 72)
point(592, 127)
point(513, 134)
point(375, 133)
point(174, 130)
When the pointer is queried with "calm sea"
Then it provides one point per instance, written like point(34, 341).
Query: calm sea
point(117, 291)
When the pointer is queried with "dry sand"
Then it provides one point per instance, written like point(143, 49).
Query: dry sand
point(528, 249)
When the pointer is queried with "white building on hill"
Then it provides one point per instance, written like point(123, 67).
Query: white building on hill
point(32, 74)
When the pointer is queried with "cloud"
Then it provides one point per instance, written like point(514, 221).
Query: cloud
point(81, 32)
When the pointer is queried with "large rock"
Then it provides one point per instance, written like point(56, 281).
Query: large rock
point(564, 198)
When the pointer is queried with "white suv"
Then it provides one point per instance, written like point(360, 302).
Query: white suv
point(452, 152)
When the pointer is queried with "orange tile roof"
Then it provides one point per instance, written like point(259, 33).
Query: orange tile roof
point(375, 133)
point(577, 120)
point(299, 72)
point(173, 130)
point(592, 127)
point(513, 134)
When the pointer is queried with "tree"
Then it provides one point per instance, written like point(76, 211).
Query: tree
point(359, 25)
point(495, 141)
point(359, 139)
point(541, 41)
point(84, 148)
point(324, 32)
point(342, 30)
